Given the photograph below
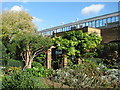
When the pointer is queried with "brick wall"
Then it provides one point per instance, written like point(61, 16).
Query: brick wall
point(110, 34)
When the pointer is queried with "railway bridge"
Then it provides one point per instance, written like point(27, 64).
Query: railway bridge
point(108, 25)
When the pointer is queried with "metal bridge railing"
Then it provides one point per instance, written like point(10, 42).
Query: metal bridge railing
point(104, 21)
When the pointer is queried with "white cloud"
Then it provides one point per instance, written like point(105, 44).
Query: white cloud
point(37, 20)
point(17, 8)
point(92, 9)
point(24, 1)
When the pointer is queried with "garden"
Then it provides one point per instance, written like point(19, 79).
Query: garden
point(91, 64)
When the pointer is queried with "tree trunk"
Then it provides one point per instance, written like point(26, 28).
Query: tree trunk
point(28, 60)
point(29, 64)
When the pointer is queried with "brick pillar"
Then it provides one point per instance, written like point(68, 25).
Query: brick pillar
point(65, 61)
point(49, 58)
point(79, 61)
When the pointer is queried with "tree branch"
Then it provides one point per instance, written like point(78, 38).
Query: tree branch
point(23, 57)
point(36, 53)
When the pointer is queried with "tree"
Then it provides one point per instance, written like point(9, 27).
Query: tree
point(77, 43)
point(12, 23)
point(30, 46)
point(21, 38)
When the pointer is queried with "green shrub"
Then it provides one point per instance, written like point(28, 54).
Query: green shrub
point(1, 76)
point(40, 57)
point(110, 54)
point(97, 61)
point(12, 70)
point(108, 50)
point(36, 64)
point(86, 75)
point(22, 80)
point(12, 63)
point(112, 63)
point(40, 71)
point(89, 67)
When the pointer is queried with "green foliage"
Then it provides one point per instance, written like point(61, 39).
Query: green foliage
point(77, 43)
point(101, 67)
point(1, 76)
point(110, 54)
point(108, 50)
point(32, 40)
point(12, 63)
point(12, 70)
point(114, 63)
point(22, 80)
point(40, 59)
point(19, 36)
point(36, 64)
point(97, 61)
point(3, 53)
point(70, 63)
point(87, 75)
point(37, 69)
point(13, 23)
point(40, 71)
point(88, 66)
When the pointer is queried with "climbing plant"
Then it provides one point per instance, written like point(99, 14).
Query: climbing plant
point(77, 43)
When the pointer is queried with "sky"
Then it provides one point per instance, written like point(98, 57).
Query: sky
point(51, 14)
